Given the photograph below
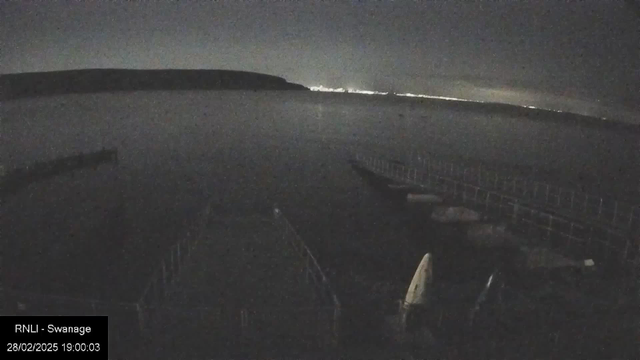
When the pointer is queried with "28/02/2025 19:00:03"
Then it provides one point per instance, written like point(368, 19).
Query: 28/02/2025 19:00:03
point(24, 347)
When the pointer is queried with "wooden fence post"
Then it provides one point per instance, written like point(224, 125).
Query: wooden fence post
point(600, 209)
point(244, 322)
point(336, 323)
point(164, 278)
point(141, 319)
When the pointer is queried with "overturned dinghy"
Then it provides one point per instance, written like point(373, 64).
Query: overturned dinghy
point(395, 186)
point(492, 235)
point(541, 258)
point(424, 198)
point(454, 214)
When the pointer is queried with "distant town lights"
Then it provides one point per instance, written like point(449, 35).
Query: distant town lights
point(326, 89)
point(370, 92)
point(349, 90)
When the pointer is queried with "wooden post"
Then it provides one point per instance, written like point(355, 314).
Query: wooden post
point(244, 322)
point(141, 320)
point(559, 195)
point(174, 264)
point(573, 194)
point(546, 201)
point(164, 277)
point(555, 346)
point(570, 234)
point(155, 291)
point(464, 193)
point(179, 267)
point(600, 209)
point(336, 323)
point(626, 250)
point(631, 217)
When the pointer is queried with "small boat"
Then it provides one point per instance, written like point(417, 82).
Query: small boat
point(454, 214)
point(424, 198)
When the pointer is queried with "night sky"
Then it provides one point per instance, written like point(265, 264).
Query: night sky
point(532, 52)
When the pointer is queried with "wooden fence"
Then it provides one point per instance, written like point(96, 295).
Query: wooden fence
point(568, 235)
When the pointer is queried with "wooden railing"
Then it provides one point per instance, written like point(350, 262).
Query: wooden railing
point(567, 235)
point(13, 180)
point(313, 272)
point(607, 211)
point(323, 317)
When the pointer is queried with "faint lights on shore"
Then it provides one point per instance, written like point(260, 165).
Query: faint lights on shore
point(435, 97)
point(422, 96)
point(371, 92)
point(349, 90)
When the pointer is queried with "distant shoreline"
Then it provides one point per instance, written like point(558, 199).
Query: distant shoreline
point(474, 107)
point(91, 81)
point(94, 81)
